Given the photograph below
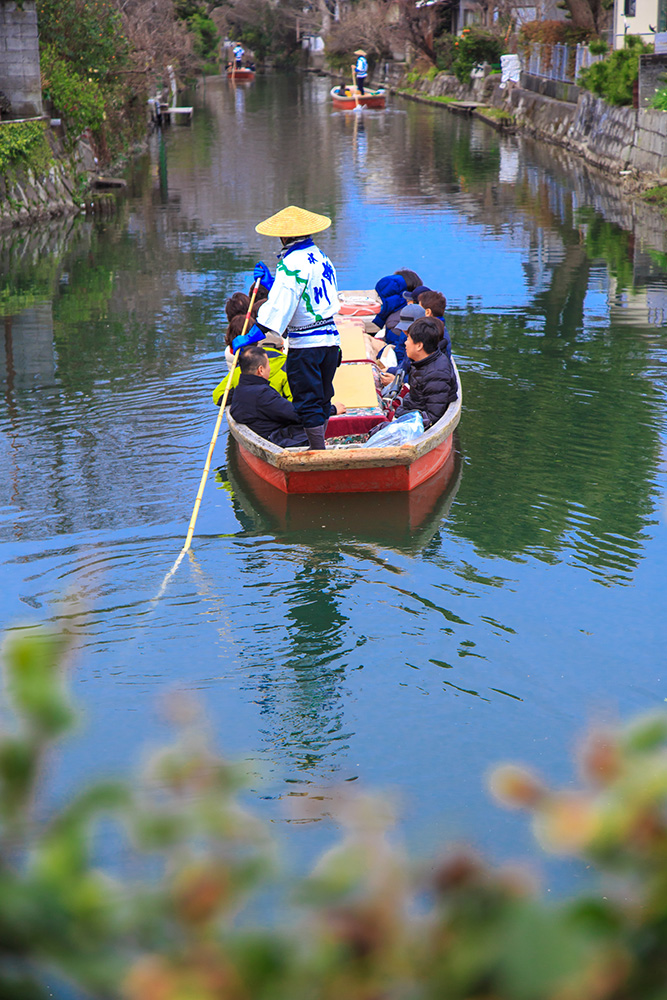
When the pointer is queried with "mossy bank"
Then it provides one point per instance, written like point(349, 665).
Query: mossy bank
point(39, 177)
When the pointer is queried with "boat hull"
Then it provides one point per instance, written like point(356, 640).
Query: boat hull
point(357, 479)
point(241, 75)
point(395, 469)
point(376, 99)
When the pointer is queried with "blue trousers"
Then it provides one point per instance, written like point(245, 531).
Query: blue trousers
point(310, 372)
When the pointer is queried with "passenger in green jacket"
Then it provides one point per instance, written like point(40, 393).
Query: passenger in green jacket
point(277, 357)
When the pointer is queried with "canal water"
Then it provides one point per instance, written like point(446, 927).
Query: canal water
point(402, 646)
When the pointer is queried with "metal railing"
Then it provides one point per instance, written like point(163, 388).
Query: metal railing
point(559, 62)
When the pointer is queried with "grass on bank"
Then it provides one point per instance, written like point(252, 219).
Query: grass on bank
point(657, 196)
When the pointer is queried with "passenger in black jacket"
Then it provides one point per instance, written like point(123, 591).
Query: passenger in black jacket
point(432, 380)
point(257, 404)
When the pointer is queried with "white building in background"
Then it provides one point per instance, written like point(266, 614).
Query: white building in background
point(638, 17)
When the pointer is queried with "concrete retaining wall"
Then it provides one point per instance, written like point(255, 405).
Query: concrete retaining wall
point(19, 58)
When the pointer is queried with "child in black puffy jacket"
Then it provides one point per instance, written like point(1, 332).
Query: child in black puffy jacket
point(432, 380)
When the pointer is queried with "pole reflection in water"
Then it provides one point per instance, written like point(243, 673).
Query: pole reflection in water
point(305, 712)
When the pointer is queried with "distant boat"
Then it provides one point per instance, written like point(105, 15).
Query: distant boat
point(344, 98)
point(242, 75)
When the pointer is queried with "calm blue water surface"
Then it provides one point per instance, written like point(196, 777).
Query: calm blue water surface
point(404, 645)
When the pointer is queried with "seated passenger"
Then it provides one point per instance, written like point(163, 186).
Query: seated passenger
point(392, 290)
point(398, 336)
point(413, 296)
point(272, 344)
point(235, 304)
point(434, 304)
point(432, 380)
point(258, 405)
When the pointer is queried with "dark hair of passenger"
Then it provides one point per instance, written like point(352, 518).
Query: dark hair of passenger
point(426, 331)
point(411, 278)
point(235, 328)
point(251, 358)
point(435, 301)
point(237, 303)
point(260, 299)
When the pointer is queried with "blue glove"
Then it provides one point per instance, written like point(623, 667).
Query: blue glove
point(262, 272)
point(253, 336)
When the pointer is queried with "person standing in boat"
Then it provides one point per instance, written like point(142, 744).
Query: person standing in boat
point(361, 70)
point(238, 55)
point(301, 305)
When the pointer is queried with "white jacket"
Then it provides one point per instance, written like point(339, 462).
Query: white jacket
point(303, 299)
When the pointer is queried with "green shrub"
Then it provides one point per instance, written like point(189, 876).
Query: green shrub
point(184, 924)
point(87, 34)
point(24, 142)
point(446, 51)
point(614, 78)
point(77, 100)
point(474, 47)
point(659, 99)
point(598, 47)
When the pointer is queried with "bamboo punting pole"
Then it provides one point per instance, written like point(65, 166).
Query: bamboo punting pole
point(207, 466)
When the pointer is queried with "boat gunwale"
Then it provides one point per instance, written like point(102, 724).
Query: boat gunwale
point(330, 459)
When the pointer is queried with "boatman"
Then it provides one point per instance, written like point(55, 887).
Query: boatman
point(238, 55)
point(361, 69)
point(301, 305)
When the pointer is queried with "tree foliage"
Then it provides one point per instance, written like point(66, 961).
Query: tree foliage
point(87, 34)
point(364, 26)
point(474, 47)
point(270, 28)
point(365, 923)
point(614, 78)
point(79, 100)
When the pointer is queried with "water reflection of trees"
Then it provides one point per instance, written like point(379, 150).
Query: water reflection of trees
point(561, 438)
point(301, 695)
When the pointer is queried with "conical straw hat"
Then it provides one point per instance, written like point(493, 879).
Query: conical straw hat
point(293, 221)
point(359, 52)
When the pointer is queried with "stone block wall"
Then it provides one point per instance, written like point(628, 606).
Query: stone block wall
point(649, 152)
point(611, 138)
point(602, 133)
point(19, 58)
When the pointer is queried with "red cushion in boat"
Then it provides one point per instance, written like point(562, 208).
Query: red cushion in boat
point(345, 424)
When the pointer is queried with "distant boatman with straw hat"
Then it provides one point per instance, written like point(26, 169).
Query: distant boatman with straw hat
point(361, 69)
point(301, 305)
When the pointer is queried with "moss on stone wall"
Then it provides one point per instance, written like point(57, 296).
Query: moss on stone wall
point(24, 143)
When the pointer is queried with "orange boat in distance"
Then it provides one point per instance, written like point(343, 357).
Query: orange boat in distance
point(243, 75)
point(344, 98)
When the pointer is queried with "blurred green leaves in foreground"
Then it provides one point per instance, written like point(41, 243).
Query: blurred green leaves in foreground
point(365, 925)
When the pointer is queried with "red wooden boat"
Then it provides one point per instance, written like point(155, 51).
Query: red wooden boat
point(349, 468)
point(243, 75)
point(344, 100)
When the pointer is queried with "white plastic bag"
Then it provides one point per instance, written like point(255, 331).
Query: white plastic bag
point(388, 357)
point(401, 430)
